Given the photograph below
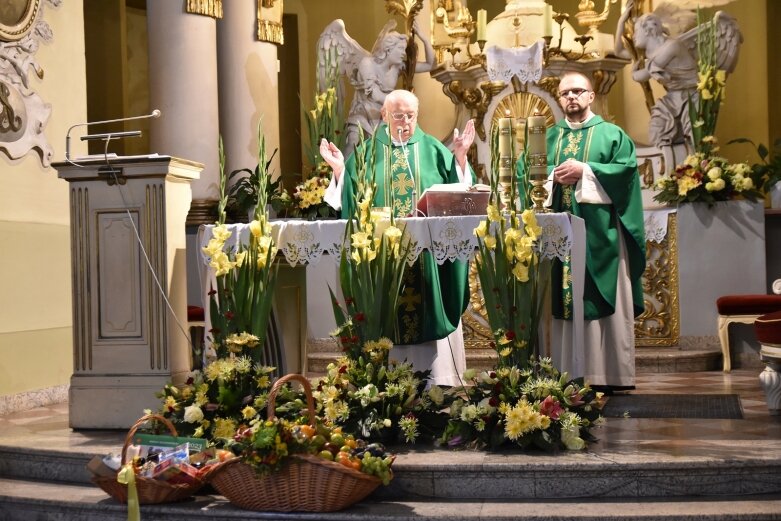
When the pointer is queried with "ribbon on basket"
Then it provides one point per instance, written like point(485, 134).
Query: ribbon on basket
point(127, 476)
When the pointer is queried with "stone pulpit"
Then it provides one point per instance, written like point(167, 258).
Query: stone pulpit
point(129, 284)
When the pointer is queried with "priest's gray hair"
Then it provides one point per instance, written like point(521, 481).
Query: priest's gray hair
point(397, 95)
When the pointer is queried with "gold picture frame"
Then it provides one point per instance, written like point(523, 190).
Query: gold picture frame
point(17, 18)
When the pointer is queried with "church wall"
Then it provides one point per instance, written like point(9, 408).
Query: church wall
point(745, 110)
point(35, 325)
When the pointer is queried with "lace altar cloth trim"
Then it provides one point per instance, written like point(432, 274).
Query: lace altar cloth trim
point(656, 224)
point(524, 62)
point(447, 238)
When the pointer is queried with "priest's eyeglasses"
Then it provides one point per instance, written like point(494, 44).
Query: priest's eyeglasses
point(572, 92)
point(399, 116)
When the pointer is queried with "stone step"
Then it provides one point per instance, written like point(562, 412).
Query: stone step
point(425, 472)
point(647, 359)
point(44, 501)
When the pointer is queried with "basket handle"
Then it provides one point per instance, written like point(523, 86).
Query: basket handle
point(272, 396)
point(139, 423)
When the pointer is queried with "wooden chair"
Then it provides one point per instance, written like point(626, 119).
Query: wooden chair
point(743, 309)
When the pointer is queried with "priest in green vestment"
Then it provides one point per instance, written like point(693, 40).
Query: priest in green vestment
point(407, 161)
point(594, 175)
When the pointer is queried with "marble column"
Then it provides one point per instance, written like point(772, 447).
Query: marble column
point(183, 85)
point(247, 71)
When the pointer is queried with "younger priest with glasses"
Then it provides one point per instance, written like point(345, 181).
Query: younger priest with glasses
point(408, 161)
point(593, 169)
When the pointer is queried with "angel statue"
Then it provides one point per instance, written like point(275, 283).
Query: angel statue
point(373, 75)
point(663, 45)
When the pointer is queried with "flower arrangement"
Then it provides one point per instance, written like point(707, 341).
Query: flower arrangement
point(371, 267)
point(531, 406)
point(307, 198)
point(711, 91)
point(235, 381)
point(324, 121)
point(241, 304)
point(374, 398)
point(243, 194)
point(364, 391)
point(513, 282)
point(704, 176)
point(767, 172)
point(512, 276)
point(213, 402)
point(524, 401)
point(707, 178)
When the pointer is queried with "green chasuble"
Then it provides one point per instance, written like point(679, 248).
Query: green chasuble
point(611, 155)
point(434, 296)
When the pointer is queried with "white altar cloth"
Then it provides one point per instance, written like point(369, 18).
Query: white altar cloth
point(446, 238)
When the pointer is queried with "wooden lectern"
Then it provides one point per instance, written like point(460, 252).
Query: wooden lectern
point(127, 234)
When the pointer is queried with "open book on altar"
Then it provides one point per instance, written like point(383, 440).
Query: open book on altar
point(454, 199)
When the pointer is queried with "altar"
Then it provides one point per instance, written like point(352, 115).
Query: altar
point(305, 315)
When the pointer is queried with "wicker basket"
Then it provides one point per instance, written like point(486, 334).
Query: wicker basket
point(305, 483)
point(150, 490)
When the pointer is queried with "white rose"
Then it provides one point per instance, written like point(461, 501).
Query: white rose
point(193, 414)
point(714, 173)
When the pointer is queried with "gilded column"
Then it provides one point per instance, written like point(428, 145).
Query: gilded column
point(183, 85)
point(247, 72)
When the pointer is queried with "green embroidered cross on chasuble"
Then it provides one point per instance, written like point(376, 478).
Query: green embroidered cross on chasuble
point(611, 155)
point(434, 296)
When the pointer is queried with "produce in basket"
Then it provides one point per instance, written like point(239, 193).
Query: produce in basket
point(284, 466)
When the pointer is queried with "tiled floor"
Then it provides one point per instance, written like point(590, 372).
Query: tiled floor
point(758, 433)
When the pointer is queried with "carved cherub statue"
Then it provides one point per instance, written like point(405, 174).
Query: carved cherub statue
point(664, 48)
point(373, 75)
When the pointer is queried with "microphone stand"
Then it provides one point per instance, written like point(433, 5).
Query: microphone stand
point(155, 114)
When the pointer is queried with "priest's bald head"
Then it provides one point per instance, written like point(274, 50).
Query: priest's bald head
point(400, 112)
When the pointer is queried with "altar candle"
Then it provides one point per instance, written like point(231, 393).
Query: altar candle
point(547, 21)
point(505, 137)
point(535, 145)
point(482, 20)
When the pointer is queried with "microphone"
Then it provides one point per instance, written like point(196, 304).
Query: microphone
point(111, 135)
point(155, 114)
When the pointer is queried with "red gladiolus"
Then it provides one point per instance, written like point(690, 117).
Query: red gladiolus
point(229, 315)
point(359, 317)
point(510, 334)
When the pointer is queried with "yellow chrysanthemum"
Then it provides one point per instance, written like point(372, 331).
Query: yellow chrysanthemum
point(249, 412)
point(224, 428)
